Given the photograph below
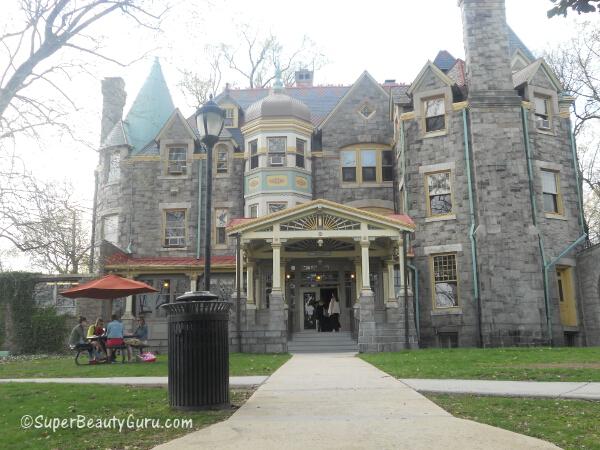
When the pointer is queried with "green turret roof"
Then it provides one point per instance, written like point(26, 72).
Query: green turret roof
point(151, 109)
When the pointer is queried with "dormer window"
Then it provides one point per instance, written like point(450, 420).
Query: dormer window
point(177, 161)
point(435, 114)
point(276, 147)
point(229, 116)
point(542, 112)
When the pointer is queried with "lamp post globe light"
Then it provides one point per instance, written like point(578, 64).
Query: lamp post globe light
point(210, 120)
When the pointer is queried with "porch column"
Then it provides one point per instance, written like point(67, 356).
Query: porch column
point(250, 283)
point(276, 282)
point(391, 299)
point(193, 280)
point(357, 279)
point(364, 252)
point(401, 265)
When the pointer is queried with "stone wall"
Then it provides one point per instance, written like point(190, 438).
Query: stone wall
point(588, 277)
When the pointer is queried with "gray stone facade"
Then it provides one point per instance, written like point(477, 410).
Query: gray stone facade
point(498, 237)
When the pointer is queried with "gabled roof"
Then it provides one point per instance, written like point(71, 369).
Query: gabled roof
point(150, 110)
point(526, 74)
point(444, 61)
point(177, 115)
point(320, 100)
point(365, 75)
point(398, 221)
point(514, 43)
point(429, 66)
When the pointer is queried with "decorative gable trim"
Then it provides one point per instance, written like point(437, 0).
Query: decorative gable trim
point(527, 74)
point(520, 55)
point(364, 75)
point(176, 114)
point(436, 71)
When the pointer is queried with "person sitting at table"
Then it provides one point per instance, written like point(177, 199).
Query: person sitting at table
point(114, 337)
point(77, 339)
point(139, 338)
point(95, 334)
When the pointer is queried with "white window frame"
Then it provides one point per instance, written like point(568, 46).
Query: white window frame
point(435, 281)
point(176, 240)
point(429, 195)
point(276, 158)
point(177, 166)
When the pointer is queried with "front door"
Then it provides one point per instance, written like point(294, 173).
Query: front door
point(566, 296)
point(309, 303)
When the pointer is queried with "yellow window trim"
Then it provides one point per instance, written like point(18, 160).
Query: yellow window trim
point(424, 117)
point(432, 282)
point(378, 149)
point(427, 198)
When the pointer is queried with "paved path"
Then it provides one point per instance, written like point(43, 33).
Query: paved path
point(341, 402)
point(234, 382)
point(558, 389)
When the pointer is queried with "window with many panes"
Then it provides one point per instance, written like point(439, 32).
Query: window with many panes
point(348, 166)
point(222, 217)
point(300, 150)
point(113, 169)
point(174, 228)
point(177, 164)
point(445, 281)
point(222, 159)
point(253, 154)
point(439, 193)
point(276, 147)
point(110, 228)
point(387, 165)
point(435, 114)
point(542, 112)
point(368, 163)
point(253, 211)
point(551, 192)
point(276, 206)
point(229, 115)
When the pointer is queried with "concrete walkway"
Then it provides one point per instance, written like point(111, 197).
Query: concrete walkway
point(340, 402)
point(234, 382)
point(558, 389)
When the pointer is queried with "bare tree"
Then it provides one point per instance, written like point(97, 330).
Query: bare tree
point(258, 57)
point(44, 221)
point(33, 46)
point(198, 88)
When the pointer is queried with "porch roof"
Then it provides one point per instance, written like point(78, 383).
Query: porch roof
point(121, 261)
point(401, 222)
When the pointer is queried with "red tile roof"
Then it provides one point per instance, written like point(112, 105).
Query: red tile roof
point(174, 261)
point(402, 218)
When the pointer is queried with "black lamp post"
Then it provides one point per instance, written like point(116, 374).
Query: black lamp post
point(209, 119)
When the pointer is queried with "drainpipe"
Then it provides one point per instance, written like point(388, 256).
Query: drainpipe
point(472, 230)
point(416, 288)
point(576, 169)
point(525, 119)
point(199, 234)
point(238, 268)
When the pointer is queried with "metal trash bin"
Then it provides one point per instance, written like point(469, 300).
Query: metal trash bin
point(198, 351)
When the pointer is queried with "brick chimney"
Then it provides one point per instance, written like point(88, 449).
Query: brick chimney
point(486, 47)
point(113, 102)
point(304, 78)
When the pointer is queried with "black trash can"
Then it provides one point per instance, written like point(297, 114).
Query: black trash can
point(198, 351)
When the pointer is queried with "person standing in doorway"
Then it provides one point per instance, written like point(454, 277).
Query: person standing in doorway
point(334, 313)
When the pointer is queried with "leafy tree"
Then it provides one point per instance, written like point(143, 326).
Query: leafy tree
point(581, 6)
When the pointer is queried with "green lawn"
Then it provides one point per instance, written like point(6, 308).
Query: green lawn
point(95, 402)
point(240, 364)
point(570, 424)
point(538, 364)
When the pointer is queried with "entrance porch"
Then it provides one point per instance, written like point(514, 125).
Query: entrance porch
point(293, 261)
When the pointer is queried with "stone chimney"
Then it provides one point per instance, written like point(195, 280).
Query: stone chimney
point(304, 78)
point(113, 102)
point(486, 47)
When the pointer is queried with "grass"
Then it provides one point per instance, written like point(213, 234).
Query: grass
point(95, 402)
point(240, 364)
point(570, 424)
point(535, 364)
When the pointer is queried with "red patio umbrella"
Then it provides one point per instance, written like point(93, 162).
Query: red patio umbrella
point(108, 287)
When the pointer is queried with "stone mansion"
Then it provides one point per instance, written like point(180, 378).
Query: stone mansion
point(444, 212)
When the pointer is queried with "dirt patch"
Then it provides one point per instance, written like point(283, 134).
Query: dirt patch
point(565, 365)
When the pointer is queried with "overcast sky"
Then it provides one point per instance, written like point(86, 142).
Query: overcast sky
point(390, 39)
